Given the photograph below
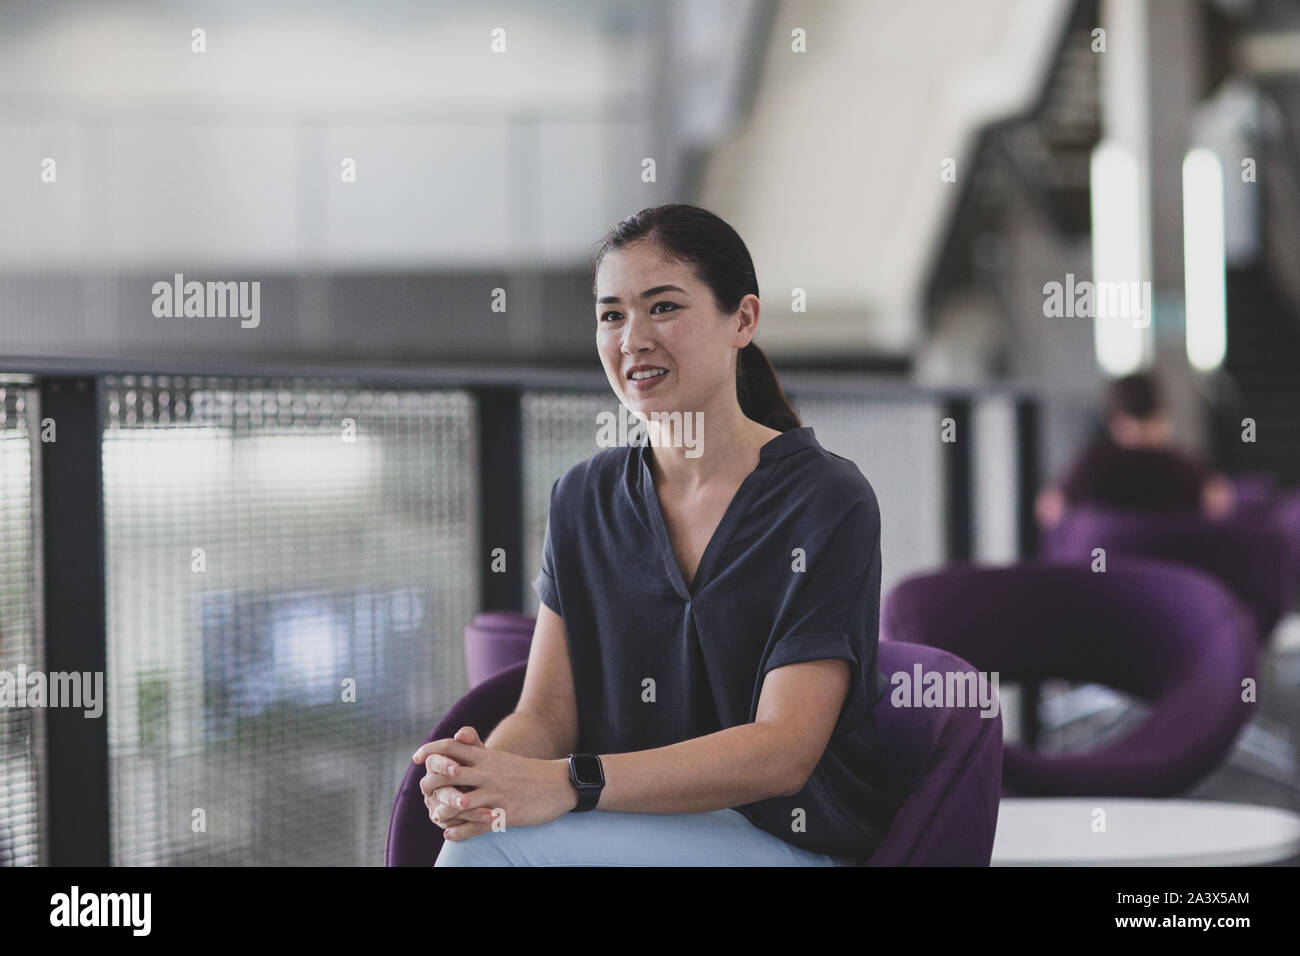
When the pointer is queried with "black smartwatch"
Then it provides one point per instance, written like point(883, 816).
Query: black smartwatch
point(588, 778)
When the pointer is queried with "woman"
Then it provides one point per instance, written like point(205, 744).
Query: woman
point(706, 640)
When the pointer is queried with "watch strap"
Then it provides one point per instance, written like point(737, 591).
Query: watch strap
point(587, 800)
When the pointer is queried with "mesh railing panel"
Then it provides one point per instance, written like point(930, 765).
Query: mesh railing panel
point(896, 445)
point(22, 757)
point(267, 543)
point(559, 430)
point(995, 475)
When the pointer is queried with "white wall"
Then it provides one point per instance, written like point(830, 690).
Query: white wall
point(835, 183)
point(233, 156)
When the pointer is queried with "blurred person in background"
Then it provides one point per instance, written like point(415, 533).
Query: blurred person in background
point(1136, 466)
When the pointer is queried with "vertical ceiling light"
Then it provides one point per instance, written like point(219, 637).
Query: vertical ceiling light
point(1118, 254)
point(1203, 260)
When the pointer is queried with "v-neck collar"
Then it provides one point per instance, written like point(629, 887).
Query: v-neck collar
point(786, 443)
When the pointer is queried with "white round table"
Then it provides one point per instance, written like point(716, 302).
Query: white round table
point(1065, 832)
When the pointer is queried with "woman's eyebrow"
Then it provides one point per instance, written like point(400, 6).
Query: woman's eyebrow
point(646, 294)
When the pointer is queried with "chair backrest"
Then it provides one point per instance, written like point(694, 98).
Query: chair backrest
point(944, 766)
point(1254, 556)
point(1168, 635)
point(1285, 513)
point(494, 641)
point(945, 769)
point(1254, 494)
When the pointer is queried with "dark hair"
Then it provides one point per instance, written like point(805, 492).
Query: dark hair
point(686, 233)
point(1136, 395)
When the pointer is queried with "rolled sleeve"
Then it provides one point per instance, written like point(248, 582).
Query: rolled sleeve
point(544, 584)
point(547, 593)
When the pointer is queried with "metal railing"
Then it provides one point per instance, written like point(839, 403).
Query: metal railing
point(195, 530)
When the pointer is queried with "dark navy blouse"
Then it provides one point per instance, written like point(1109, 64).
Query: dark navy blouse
point(791, 574)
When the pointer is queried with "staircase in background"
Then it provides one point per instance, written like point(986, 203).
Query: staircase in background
point(1264, 361)
point(1043, 154)
point(1263, 304)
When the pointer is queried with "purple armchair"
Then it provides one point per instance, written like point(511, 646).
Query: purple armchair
point(946, 766)
point(494, 641)
point(1255, 556)
point(1171, 636)
point(1254, 494)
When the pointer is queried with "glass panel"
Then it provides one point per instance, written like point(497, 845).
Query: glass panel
point(560, 429)
point(887, 441)
point(290, 569)
point(22, 749)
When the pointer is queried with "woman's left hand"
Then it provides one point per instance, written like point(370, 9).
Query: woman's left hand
point(521, 791)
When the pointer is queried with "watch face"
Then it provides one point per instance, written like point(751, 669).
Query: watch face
point(587, 767)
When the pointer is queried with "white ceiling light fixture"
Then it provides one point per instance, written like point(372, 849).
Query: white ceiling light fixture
point(1118, 254)
point(1203, 260)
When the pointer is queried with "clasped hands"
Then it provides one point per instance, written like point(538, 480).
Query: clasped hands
point(467, 783)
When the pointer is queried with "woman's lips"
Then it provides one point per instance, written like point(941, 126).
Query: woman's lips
point(645, 384)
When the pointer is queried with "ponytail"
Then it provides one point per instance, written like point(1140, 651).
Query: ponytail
point(760, 394)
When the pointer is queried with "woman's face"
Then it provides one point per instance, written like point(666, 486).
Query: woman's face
point(653, 313)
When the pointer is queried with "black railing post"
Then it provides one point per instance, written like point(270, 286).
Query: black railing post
point(72, 518)
point(958, 484)
point(501, 496)
point(1027, 450)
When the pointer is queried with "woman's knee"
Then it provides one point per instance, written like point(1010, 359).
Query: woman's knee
point(479, 850)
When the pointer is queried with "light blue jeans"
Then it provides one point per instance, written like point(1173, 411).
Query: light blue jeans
point(605, 838)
